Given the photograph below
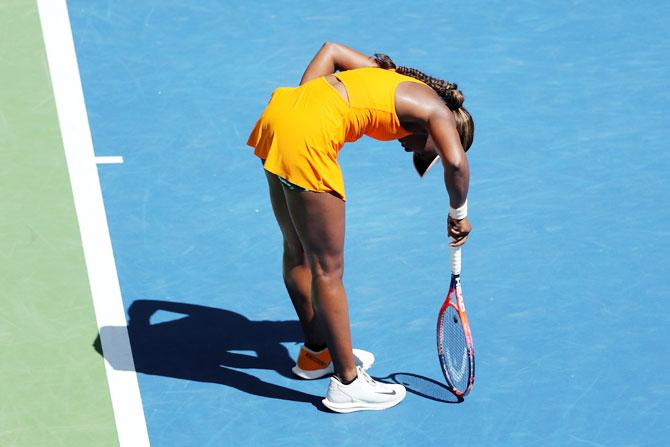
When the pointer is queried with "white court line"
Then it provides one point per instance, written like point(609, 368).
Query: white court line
point(109, 160)
point(105, 290)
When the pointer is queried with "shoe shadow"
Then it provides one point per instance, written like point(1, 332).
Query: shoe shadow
point(424, 387)
point(203, 344)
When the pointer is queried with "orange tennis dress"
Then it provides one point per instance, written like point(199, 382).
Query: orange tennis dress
point(301, 131)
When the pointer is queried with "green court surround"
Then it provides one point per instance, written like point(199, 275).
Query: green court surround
point(53, 389)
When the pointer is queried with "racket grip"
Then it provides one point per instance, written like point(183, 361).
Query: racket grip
point(456, 260)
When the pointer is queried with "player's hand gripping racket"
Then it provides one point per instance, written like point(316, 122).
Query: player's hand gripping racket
point(454, 340)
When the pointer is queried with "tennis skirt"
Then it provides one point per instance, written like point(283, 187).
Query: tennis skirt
point(300, 134)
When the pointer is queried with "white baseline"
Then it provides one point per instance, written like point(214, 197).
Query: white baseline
point(105, 290)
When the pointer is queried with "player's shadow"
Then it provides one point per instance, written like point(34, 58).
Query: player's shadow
point(200, 343)
point(424, 387)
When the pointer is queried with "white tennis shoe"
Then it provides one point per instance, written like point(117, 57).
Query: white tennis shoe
point(364, 393)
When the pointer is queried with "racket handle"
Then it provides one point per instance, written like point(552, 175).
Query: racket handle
point(456, 260)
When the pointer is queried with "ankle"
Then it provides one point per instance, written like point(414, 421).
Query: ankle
point(315, 347)
point(347, 377)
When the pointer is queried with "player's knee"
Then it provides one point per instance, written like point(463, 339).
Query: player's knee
point(327, 268)
point(294, 254)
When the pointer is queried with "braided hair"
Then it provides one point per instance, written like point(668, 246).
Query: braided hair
point(447, 91)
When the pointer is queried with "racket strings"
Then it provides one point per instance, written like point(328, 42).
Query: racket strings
point(455, 350)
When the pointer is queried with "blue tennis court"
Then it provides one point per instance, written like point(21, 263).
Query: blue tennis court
point(564, 275)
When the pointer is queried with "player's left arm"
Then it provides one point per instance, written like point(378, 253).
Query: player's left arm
point(332, 57)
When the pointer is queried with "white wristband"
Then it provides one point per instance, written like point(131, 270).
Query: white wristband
point(460, 212)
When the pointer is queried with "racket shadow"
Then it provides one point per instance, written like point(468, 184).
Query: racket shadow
point(423, 386)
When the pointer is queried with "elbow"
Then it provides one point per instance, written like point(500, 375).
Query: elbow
point(456, 164)
point(329, 46)
point(458, 161)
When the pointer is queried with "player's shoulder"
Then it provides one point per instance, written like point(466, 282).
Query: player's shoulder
point(419, 100)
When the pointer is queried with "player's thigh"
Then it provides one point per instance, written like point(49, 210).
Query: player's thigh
point(319, 219)
point(292, 242)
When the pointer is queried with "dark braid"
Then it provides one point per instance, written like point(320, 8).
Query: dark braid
point(448, 91)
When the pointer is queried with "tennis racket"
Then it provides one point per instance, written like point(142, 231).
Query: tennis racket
point(454, 340)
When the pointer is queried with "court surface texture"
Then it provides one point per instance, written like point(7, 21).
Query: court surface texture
point(142, 298)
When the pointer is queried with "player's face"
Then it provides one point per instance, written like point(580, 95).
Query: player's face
point(420, 143)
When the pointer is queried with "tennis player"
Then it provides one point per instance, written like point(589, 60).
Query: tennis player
point(342, 96)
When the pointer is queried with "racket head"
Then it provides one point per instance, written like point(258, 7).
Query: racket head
point(454, 341)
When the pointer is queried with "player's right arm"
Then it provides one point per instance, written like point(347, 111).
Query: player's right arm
point(442, 128)
point(333, 57)
point(420, 110)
